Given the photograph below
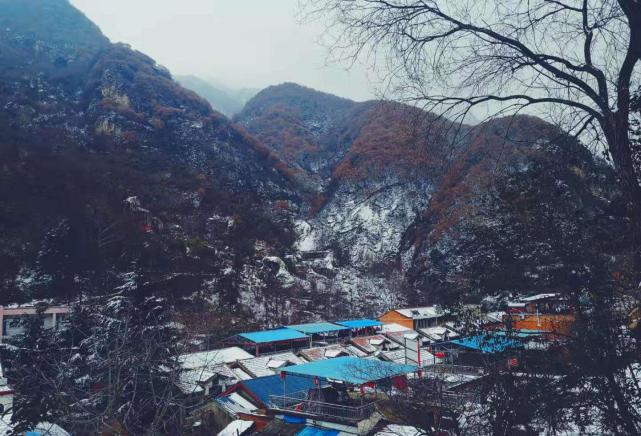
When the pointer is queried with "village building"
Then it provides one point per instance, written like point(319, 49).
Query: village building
point(6, 393)
point(437, 334)
point(329, 352)
point(11, 318)
point(540, 303)
point(344, 395)
point(381, 347)
point(541, 312)
point(206, 373)
point(478, 350)
point(414, 318)
point(266, 365)
point(249, 400)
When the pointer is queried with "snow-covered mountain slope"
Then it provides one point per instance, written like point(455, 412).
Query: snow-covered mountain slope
point(365, 220)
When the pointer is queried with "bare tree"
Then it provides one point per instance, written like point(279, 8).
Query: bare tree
point(573, 61)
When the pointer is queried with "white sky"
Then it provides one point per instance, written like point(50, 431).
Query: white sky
point(241, 43)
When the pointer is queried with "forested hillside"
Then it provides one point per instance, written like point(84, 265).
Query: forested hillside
point(511, 205)
point(304, 204)
point(109, 167)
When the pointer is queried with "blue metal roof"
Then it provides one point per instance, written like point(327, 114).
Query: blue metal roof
point(488, 343)
point(360, 323)
point(266, 336)
point(291, 419)
point(350, 369)
point(315, 431)
point(263, 387)
point(317, 327)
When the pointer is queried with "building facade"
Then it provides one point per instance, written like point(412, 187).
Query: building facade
point(11, 318)
point(414, 318)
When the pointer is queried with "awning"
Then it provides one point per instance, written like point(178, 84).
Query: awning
point(276, 335)
point(349, 369)
point(360, 323)
point(317, 328)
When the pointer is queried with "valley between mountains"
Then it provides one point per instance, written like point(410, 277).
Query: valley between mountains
point(299, 206)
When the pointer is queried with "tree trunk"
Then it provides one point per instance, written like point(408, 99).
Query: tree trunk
point(617, 132)
point(627, 418)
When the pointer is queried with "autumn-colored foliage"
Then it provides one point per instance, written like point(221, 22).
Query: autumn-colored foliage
point(349, 141)
point(394, 136)
point(282, 205)
point(317, 204)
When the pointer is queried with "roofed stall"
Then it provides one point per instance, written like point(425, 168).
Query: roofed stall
point(276, 339)
point(351, 370)
point(320, 330)
point(342, 374)
point(363, 326)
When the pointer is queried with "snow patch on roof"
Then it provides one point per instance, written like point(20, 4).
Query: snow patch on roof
point(421, 312)
point(393, 327)
point(236, 428)
point(204, 359)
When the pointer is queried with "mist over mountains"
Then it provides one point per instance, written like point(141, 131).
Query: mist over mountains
point(225, 100)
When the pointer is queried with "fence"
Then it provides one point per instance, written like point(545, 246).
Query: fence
point(454, 369)
point(298, 402)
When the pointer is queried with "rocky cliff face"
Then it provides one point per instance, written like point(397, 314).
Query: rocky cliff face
point(369, 169)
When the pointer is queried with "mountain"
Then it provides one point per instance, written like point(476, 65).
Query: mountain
point(407, 206)
point(525, 208)
point(306, 205)
point(226, 101)
point(111, 169)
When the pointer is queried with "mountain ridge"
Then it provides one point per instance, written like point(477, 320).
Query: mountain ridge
point(226, 101)
point(306, 204)
point(400, 188)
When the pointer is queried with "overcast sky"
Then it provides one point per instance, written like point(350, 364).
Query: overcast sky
point(241, 43)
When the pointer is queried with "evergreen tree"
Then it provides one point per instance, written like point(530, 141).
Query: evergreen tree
point(113, 368)
point(33, 372)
